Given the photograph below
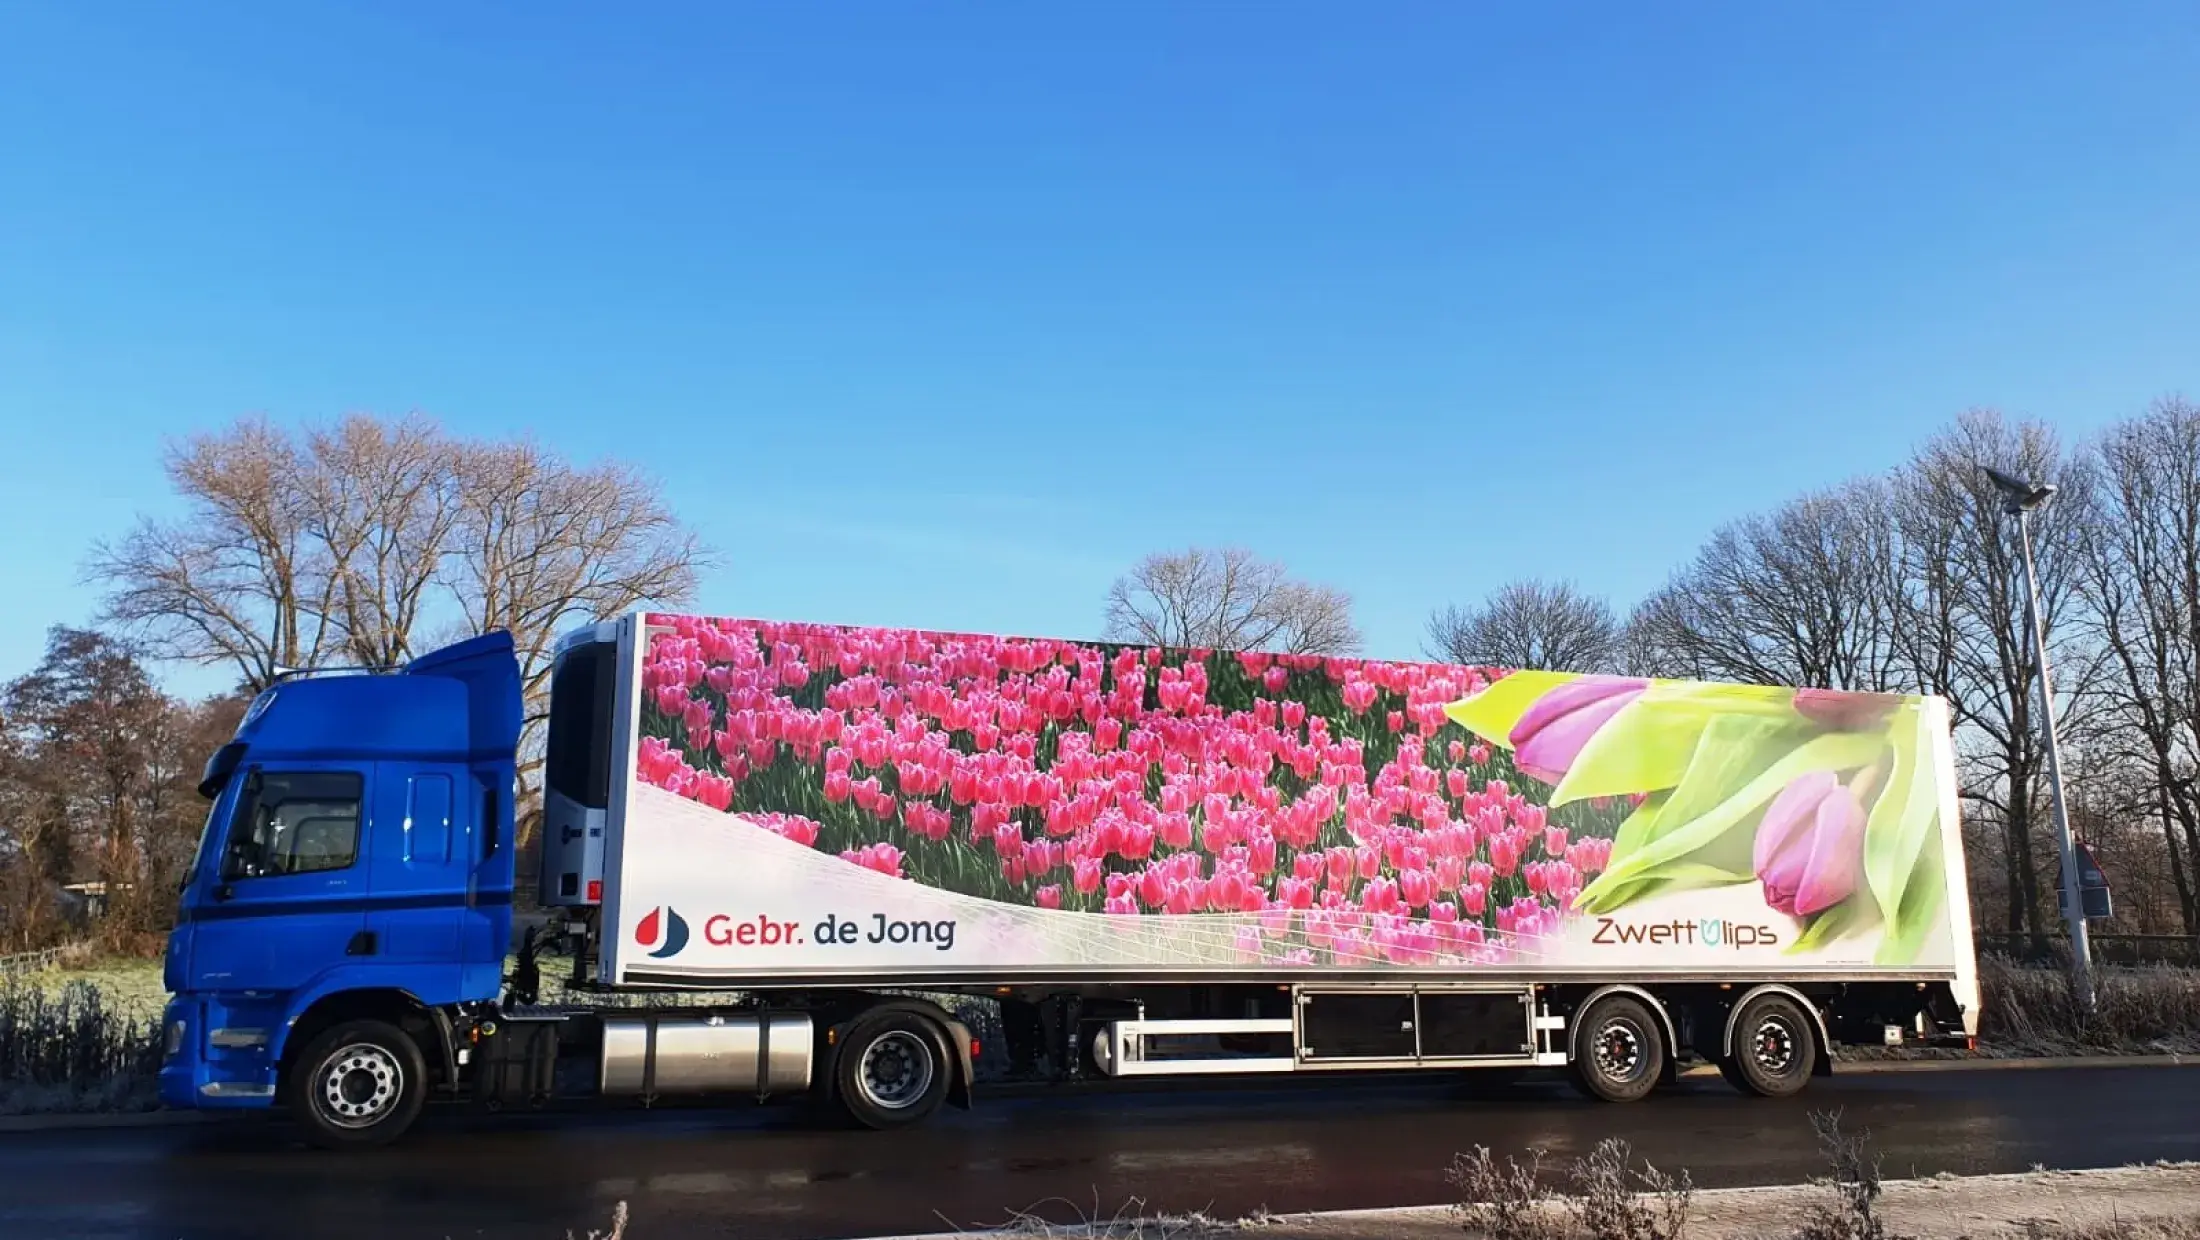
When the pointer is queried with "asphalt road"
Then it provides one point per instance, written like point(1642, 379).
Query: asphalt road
point(760, 1175)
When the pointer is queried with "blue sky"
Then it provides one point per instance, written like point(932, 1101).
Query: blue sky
point(945, 314)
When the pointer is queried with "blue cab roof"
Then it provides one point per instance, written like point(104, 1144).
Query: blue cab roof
point(457, 704)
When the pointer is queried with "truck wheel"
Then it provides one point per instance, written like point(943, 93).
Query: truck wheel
point(1619, 1050)
point(360, 1084)
point(892, 1072)
point(1774, 1053)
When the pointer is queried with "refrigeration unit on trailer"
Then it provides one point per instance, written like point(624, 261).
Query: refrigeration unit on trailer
point(1152, 860)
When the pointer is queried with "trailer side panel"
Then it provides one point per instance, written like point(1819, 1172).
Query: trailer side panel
point(804, 802)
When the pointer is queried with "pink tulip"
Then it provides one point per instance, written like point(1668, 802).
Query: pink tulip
point(1475, 898)
point(1451, 873)
point(1048, 897)
point(1227, 891)
point(1554, 841)
point(1847, 712)
point(1418, 887)
point(1085, 875)
point(1504, 855)
point(1153, 887)
point(1380, 896)
point(1810, 846)
point(1553, 731)
point(1181, 898)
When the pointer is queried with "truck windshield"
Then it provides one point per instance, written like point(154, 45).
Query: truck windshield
point(207, 835)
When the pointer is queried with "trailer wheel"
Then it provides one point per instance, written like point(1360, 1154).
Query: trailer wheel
point(1774, 1053)
point(360, 1084)
point(1619, 1051)
point(892, 1072)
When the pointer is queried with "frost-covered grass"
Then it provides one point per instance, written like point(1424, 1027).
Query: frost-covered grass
point(67, 1045)
point(2033, 1011)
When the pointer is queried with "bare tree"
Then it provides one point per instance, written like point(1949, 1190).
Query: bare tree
point(2140, 577)
point(1805, 595)
point(1531, 624)
point(1231, 600)
point(538, 544)
point(369, 540)
point(243, 579)
point(1965, 626)
point(383, 499)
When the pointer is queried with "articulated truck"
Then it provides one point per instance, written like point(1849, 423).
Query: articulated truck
point(839, 841)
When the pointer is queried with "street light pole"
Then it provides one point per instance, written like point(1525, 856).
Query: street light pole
point(2022, 499)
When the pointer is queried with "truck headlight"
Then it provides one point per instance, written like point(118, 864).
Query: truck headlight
point(174, 1042)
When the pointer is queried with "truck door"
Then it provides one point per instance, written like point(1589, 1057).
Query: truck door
point(284, 900)
point(417, 882)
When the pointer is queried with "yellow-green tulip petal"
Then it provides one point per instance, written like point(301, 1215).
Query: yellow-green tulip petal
point(1492, 713)
point(1838, 922)
point(1905, 815)
point(1660, 742)
point(1919, 911)
point(1681, 835)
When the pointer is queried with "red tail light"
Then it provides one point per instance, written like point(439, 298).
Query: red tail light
point(595, 891)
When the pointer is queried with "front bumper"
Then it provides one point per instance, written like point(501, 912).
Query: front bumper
point(195, 1076)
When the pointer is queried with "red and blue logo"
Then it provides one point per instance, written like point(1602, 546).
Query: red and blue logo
point(663, 932)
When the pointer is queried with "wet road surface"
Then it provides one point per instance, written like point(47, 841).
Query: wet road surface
point(761, 1174)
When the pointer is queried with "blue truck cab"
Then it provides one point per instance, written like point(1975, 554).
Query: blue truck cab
point(351, 897)
point(342, 938)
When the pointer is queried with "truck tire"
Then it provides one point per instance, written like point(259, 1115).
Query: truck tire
point(892, 1071)
point(1774, 1051)
point(1619, 1049)
point(357, 1085)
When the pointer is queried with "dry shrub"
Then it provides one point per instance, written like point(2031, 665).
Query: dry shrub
point(68, 1050)
point(1850, 1210)
point(1502, 1202)
point(1612, 1202)
point(618, 1227)
point(1609, 1201)
point(2034, 1010)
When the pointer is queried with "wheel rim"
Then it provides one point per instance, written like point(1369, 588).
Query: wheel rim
point(1618, 1051)
point(359, 1086)
point(896, 1071)
point(1774, 1046)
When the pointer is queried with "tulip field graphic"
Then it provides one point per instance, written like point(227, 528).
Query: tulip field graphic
point(1347, 812)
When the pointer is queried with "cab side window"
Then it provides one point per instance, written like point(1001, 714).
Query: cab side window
point(295, 822)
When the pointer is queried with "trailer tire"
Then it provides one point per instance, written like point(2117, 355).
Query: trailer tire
point(1774, 1051)
point(358, 1085)
point(1618, 1050)
point(892, 1071)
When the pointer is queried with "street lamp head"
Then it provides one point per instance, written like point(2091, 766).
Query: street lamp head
point(2018, 495)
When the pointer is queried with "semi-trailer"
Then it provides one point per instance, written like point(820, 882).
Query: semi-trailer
point(1155, 860)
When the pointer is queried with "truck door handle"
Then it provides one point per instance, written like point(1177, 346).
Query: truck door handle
point(362, 944)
